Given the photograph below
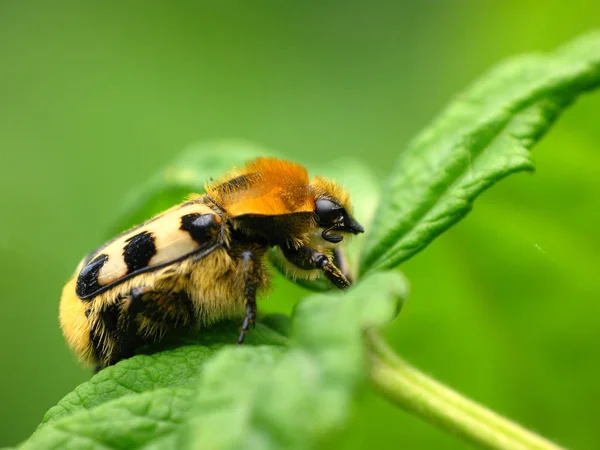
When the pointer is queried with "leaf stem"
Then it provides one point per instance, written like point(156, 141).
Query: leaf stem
point(414, 391)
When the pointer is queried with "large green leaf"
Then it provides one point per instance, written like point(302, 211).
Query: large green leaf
point(483, 136)
point(265, 396)
point(173, 367)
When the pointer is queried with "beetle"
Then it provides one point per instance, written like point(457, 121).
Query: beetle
point(204, 260)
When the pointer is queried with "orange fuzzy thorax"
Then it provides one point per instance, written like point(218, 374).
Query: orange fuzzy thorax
point(266, 186)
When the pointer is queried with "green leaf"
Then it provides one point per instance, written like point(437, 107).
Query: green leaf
point(173, 367)
point(483, 136)
point(204, 396)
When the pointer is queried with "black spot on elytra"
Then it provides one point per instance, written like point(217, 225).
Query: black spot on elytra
point(138, 251)
point(87, 281)
point(200, 226)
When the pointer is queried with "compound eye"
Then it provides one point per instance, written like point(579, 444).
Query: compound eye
point(328, 212)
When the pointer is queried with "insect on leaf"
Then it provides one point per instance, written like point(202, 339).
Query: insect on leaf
point(252, 397)
point(483, 136)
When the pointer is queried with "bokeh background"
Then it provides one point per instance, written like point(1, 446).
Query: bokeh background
point(95, 97)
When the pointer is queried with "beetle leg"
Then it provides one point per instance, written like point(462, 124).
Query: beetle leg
point(116, 334)
point(164, 308)
point(113, 334)
point(126, 334)
point(341, 261)
point(308, 258)
point(251, 282)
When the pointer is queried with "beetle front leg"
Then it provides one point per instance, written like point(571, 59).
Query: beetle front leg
point(341, 261)
point(308, 258)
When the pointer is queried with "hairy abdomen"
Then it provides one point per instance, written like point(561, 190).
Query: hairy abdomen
point(186, 295)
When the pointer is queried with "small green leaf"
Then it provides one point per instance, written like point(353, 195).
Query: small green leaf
point(204, 396)
point(483, 136)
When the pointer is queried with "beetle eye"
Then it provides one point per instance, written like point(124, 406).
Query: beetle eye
point(327, 211)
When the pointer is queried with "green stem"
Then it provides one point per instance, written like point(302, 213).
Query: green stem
point(416, 392)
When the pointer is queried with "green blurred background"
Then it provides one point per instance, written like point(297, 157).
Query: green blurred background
point(96, 97)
